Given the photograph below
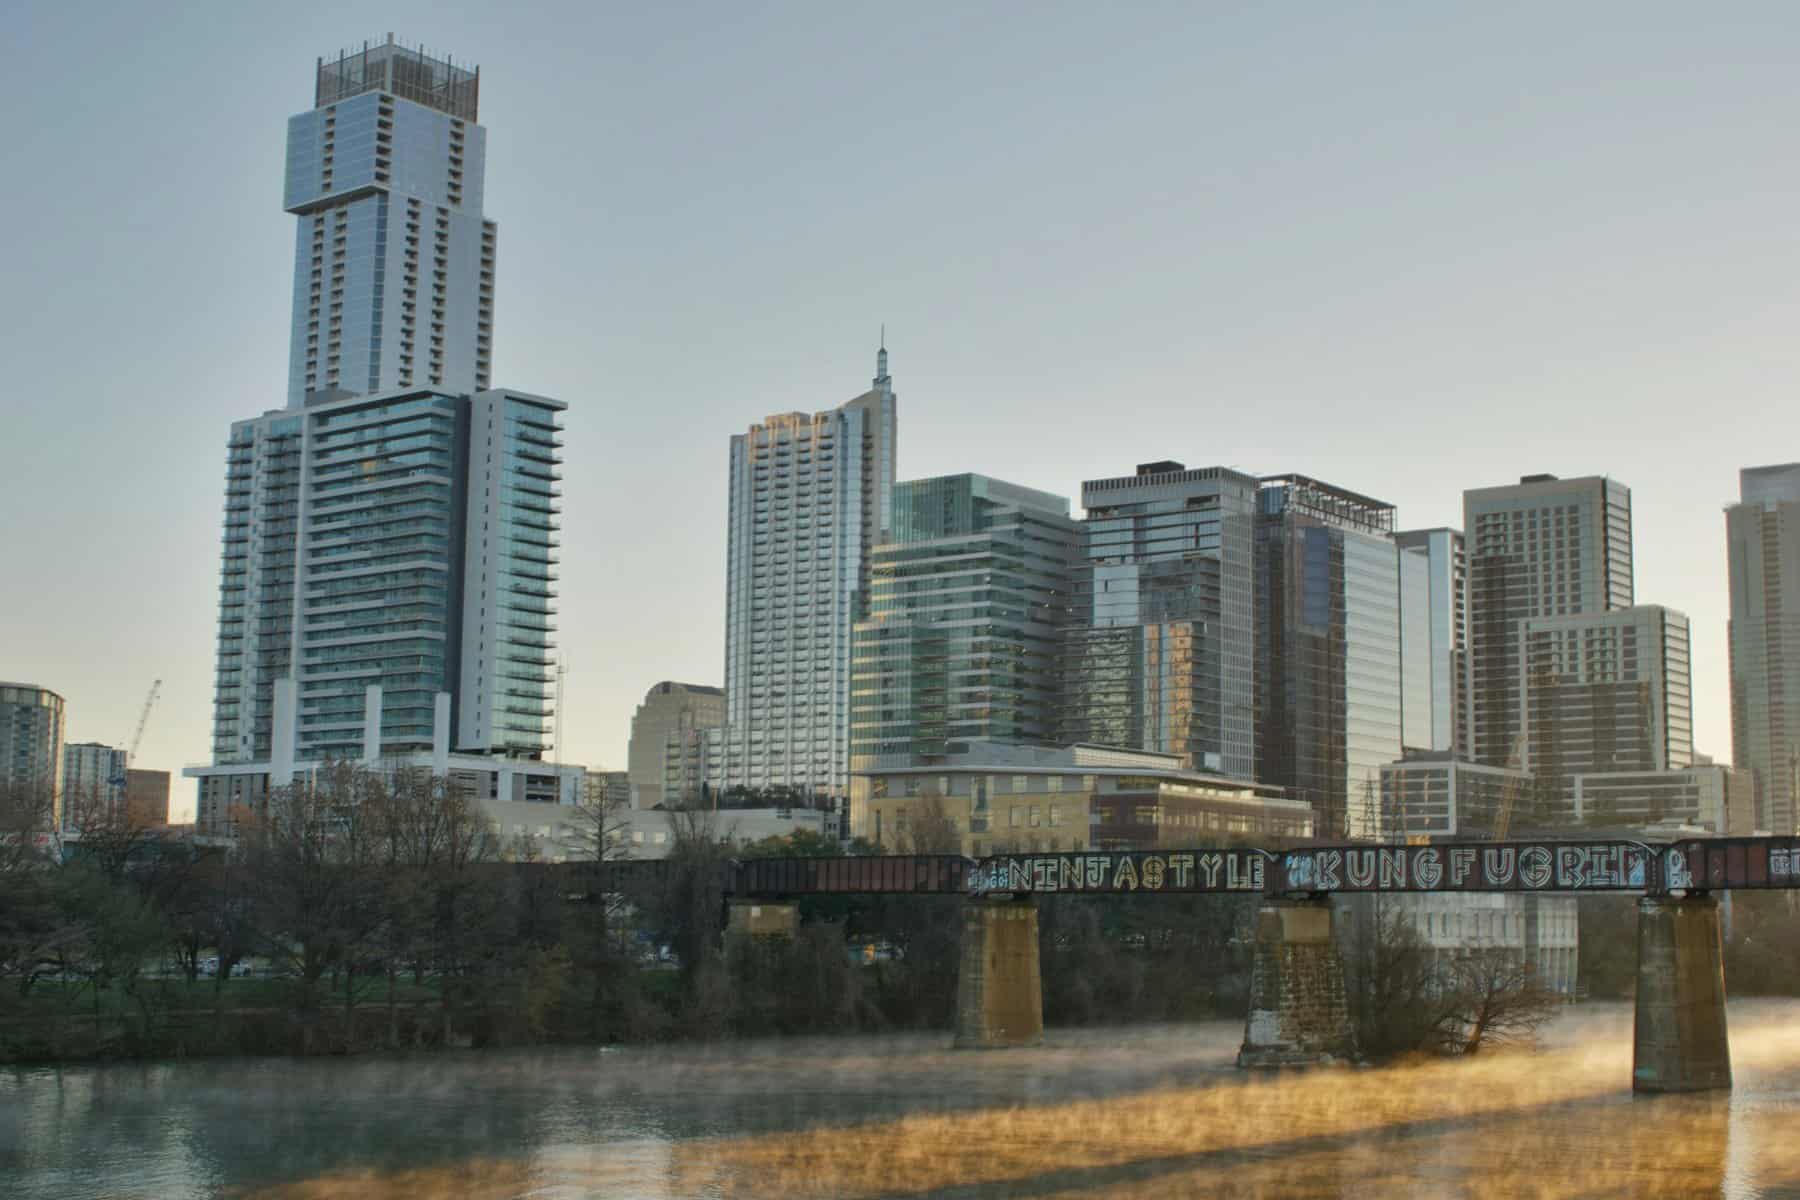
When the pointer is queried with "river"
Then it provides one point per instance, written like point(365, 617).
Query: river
point(1139, 1111)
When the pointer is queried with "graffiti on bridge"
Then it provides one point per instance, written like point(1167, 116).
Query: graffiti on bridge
point(1123, 871)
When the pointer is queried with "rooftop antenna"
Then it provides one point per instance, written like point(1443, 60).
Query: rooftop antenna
point(881, 366)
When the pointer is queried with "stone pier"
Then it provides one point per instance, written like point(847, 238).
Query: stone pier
point(1679, 1039)
point(999, 989)
point(751, 919)
point(1298, 1013)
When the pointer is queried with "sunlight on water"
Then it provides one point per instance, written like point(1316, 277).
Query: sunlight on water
point(1558, 1123)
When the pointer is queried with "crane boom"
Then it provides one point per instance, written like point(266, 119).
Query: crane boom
point(143, 718)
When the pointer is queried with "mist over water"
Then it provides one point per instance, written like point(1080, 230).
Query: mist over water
point(1136, 1111)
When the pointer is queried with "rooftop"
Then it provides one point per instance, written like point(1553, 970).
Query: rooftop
point(410, 74)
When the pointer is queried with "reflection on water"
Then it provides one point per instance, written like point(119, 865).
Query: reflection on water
point(1098, 1112)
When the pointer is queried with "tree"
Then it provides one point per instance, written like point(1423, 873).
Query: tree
point(802, 843)
point(1391, 984)
point(930, 829)
point(1493, 998)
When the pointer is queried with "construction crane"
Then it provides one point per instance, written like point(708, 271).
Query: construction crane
point(1509, 791)
point(143, 717)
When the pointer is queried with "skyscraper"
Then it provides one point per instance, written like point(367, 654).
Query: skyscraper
point(1434, 640)
point(389, 553)
point(967, 608)
point(393, 259)
point(1328, 678)
point(1544, 547)
point(811, 497)
point(1159, 654)
point(1762, 534)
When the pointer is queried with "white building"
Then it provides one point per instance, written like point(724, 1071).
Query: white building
point(667, 756)
point(388, 572)
point(393, 259)
point(93, 778)
point(811, 496)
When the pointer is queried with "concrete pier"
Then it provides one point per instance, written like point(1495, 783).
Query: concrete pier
point(762, 919)
point(1679, 1036)
point(1298, 1012)
point(999, 988)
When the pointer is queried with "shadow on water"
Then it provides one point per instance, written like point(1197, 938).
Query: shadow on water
point(1123, 1112)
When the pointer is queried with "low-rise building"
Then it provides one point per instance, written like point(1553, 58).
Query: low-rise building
point(1437, 794)
point(1710, 796)
point(1542, 930)
point(979, 798)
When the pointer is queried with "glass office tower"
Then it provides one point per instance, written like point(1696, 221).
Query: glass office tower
point(393, 259)
point(1158, 656)
point(967, 607)
point(1328, 679)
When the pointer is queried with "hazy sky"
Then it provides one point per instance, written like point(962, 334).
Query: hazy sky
point(1405, 249)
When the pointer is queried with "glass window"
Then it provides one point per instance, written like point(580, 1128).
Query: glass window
point(1021, 784)
point(1055, 815)
point(1036, 817)
point(1014, 816)
point(1054, 783)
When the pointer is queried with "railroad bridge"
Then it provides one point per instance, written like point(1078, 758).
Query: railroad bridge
point(1297, 1003)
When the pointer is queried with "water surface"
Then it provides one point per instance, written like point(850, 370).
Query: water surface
point(1113, 1112)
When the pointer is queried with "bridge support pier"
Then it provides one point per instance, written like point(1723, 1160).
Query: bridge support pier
point(999, 988)
point(1679, 1037)
point(762, 919)
point(1298, 1011)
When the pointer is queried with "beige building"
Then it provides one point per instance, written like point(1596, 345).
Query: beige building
point(667, 759)
point(146, 797)
point(980, 798)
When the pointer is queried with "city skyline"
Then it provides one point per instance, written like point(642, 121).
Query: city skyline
point(1118, 363)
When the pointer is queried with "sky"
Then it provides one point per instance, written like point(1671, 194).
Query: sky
point(1407, 249)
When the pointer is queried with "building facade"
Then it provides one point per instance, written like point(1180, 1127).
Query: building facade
point(1434, 640)
point(811, 497)
point(31, 742)
point(403, 540)
point(1159, 651)
point(1707, 796)
point(609, 789)
point(93, 783)
point(1436, 794)
point(1542, 548)
point(667, 757)
point(1604, 692)
point(393, 258)
point(968, 604)
point(146, 797)
point(1328, 679)
point(1762, 533)
point(979, 798)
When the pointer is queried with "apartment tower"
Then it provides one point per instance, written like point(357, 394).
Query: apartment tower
point(811, 497)
point(1762, 532)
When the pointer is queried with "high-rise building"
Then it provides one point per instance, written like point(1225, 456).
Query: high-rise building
point(1328, 680)
point(393, 259)
point(405, 541)
point(93, 783)
point(968, 602)
point(1603, 692)
point(1159, 652)
point(1762, 534)
point(811, 498)
point(1544, 547)
point(31, 742)
point(666, 760)
point(1434, 640)
point(389, 554)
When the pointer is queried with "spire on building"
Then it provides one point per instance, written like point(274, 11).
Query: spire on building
point(882, 381)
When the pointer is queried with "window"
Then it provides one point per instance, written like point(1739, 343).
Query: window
point(1055, 815)
point(1054, 783)
point(1014, 816)
point(1036, 816)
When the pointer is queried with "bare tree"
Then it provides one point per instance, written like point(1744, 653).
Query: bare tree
point(1493, 998)
point(1392, 985)
point(930, 829)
